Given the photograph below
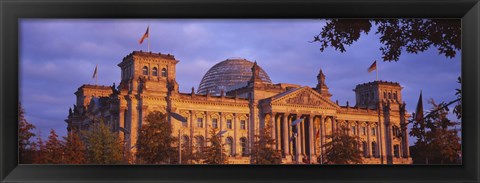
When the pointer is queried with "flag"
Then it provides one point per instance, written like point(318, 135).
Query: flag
point(144, 36)
point(95, 72)
point(372, 67)
point(419, 113)
point(318, 134)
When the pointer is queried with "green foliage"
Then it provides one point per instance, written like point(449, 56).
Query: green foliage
point(103, 145)
point(342, 148)
point(412, 35)
point(74, 150)
point(54, 149)
point(215, 153)
point(25, 148)
point(154, 143)
point(437, 139)
point(263, 151)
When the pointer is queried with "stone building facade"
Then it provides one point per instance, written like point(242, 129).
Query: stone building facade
point(242, 107)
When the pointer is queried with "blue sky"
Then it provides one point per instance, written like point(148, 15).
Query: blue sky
point(59, 55)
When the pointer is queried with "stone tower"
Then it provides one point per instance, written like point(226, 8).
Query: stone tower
point(147, 71)
point(322, 86)
point(370, 94)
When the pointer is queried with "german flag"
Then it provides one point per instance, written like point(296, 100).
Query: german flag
point(144, 36)
point(372, 67)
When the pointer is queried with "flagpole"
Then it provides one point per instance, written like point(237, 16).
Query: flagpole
point(377, 71)
point(148, 40)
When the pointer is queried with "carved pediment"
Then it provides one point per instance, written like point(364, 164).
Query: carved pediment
point(303, 96)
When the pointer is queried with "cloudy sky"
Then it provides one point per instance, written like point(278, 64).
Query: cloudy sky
point(58, 56)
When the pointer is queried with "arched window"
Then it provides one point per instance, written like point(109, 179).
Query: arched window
point(199, 142)
point(374, 149)
point(395, 96)
point(145, 70)
point(389, 95)
point(384, 95)
point(243, 144)
point(164, 72)
point(155, 71)
point(229, 146)
point(365, 149)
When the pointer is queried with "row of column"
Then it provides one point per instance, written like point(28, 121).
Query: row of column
point(309, 144)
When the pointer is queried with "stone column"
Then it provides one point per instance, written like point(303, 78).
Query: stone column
point(133, 123)
point(302, 135)
point(311, 136)
point(191, 127)
point(121, 122)
point(206, 124)
point(286, 137)
point(290, 134)
point(235, 129)
point(316, 127)
point(272, 125)
point(278, 132)
point(334, 124)
point(322, 133)
point(369, 149)
point(378, 143)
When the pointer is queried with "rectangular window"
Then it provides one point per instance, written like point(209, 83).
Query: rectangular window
point(364, 130)
point(396, 151)
point(200, 122)
point(374, 131)
point(229, 123)
point(242, 125)
point(214, 123)
point(354, 130)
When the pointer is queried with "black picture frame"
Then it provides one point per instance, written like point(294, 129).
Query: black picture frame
point(12, 11)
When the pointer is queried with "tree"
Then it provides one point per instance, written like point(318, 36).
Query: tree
point(342, 148)
point(263, 151)
point(189, 155)
point(25, 148)
point(214, 153)
point(437, 139)
point(75, 150)
point(155, 140)
point(40, 151)
point(54, 149)
point(103, 145)
point(412, 35)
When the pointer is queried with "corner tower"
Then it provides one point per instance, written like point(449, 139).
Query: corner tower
point(322, 86)
point(370, 94)
point(147, 71)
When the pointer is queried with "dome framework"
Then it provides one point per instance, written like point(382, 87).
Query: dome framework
point(229, 74)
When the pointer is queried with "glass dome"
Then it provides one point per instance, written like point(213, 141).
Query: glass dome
point(227, 75)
